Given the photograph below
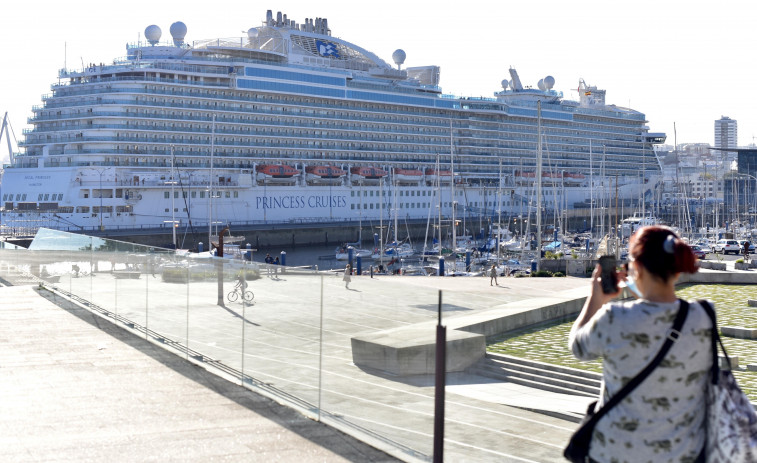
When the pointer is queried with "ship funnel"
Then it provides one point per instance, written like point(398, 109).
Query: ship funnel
point(515, 80)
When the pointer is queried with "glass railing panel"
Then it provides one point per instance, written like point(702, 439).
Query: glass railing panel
point(213, 326)
point(47, 267)
point(281, 334)
point(378, 358)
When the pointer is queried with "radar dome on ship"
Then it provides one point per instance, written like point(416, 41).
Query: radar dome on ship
point(152, 34)
point(549, 82)
point(252, 33)
point(504, 84)
point(541, 85)
point(398, 57)
point(178, 32)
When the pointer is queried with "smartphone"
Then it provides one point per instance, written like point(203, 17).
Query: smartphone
point(609, 275)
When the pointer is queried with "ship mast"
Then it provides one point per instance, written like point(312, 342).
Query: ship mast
point(210, 182)
point(452, 188)
point(6, 129)
point(538, 186)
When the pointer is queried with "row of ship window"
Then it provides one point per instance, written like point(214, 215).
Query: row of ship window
point(632, 129)
point(103, 209)
point(185, 194)
point(40, 197)
point(513, 131)
point(423, 205)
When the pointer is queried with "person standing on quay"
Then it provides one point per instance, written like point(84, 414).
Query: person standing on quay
point(347, 278)
point(268, 263)
point(663, 418)
point(493, 276)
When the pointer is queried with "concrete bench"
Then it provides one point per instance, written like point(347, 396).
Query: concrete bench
point(752, 302)
point(724, 365)
point(412, 350)
point(739, 332)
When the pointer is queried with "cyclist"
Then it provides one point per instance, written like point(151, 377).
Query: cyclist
point(241, 283)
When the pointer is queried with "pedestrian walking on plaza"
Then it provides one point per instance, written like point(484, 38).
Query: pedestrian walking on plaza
point(661, 418)
point(347, 278)
point(746, 251)
point(268, 262)
point(493, 276)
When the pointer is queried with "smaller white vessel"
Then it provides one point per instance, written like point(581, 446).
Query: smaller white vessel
point(638, 220)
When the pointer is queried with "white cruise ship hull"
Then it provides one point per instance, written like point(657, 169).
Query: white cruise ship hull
point(176, 133)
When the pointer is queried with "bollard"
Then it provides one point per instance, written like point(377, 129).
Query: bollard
point(359, 264)
point(467, 261)
point(283, 262)
point(441, 266)
point(199, 246)
point(371, 271)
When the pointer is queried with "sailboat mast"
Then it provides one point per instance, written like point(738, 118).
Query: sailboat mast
point(439, 200)
point(381, 221)
point(499, 208)
point(591, 193)
point(396, 212)
point(538, 186)
point(452, 189)
point(210, 181)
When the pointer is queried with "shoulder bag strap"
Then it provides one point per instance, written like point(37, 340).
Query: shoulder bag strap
point(715, 341)
point(673, 335)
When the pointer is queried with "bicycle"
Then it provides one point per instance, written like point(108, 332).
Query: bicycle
point(234, 295)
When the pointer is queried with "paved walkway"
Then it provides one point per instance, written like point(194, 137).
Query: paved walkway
point(75, 388)
point(104, 374)
point(80, 389)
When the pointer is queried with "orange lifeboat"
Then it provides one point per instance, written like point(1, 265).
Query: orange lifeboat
point(443, 176)
point(324, 174)
point(574, 178)
point(368, 173)
point(276, 173)
point(408, 175)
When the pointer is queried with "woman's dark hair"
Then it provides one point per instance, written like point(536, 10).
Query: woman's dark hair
point(662, 252)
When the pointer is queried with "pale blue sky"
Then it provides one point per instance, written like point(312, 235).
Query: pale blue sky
point(687, 62)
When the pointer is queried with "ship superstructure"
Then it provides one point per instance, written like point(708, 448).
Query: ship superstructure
point(293, 124)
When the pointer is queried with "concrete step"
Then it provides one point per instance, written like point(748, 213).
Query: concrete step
point(528, 370)
point(538, 375)
point(539, 382)
point(546, 366)
point(535, 377)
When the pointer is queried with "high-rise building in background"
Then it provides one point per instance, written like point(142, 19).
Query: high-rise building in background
point(726, 135)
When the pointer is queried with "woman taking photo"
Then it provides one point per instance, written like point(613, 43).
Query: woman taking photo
point(662, 419)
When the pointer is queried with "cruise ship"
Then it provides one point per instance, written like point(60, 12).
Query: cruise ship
point(290, 124)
